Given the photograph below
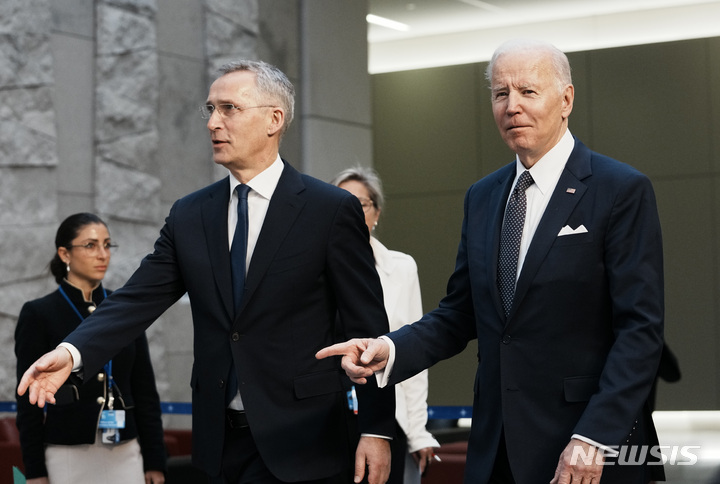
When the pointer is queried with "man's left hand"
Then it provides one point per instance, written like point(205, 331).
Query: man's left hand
point(374, 453)
point(580, 463)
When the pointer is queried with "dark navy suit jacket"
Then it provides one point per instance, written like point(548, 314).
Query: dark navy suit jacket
point(312, 262)
point(579, 350)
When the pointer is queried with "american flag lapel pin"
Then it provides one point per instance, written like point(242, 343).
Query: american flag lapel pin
point(570, 190)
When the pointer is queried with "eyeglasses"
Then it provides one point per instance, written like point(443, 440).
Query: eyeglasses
point(366, 203)
point(226, 109)
point(92, 248)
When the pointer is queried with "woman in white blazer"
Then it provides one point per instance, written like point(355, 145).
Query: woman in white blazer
point(412, 450)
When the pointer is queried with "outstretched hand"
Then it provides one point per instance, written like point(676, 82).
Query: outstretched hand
point(46, 376)
point(360, 357)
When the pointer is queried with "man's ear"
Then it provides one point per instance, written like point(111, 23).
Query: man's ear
point(568, 98)
point(277, 121)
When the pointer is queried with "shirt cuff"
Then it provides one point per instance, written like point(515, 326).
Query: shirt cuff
point(383, 375)
point(609, 451)
point(384, 437)
point(77, 360)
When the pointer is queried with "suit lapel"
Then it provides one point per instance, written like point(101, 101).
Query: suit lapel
point(561, 205)
point(214, 216)
point(285, 205)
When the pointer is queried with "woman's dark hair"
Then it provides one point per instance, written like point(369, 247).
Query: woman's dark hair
point(68, 230)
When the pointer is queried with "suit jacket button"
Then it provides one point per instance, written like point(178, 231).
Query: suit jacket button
point(506, 339)
point(221, 384)
point(235, 336)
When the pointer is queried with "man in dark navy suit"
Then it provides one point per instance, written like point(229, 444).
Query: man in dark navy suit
point(308, 263)
point(569, 326)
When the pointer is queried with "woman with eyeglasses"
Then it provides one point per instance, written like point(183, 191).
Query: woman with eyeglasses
point(412, 449)
point(107, 431)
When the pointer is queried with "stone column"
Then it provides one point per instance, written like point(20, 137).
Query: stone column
point(28, 161)
point(335, 118)
point(126, 107)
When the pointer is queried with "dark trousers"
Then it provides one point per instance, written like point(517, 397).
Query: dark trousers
point(242, 463)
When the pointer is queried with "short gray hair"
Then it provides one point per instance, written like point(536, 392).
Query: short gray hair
point(272, 85)
point(560, 62)
point(366, 176)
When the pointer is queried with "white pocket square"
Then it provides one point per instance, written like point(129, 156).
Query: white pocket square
point(570, 231)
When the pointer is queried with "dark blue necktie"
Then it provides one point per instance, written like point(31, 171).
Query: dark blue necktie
point(510, 240)
point(238, 253)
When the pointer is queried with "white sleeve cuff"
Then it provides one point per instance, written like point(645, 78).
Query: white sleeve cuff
point(383, 375)
point(77, 360)
point(384, 437)
point(607, 450)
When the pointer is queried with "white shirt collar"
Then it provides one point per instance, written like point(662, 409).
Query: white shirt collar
point(546, 171)
point(265, 182)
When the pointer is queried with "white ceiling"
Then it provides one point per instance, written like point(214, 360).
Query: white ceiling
point(446, 32)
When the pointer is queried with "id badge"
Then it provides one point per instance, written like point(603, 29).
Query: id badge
point(112, 419)
point(110, 436)
point(352, 400)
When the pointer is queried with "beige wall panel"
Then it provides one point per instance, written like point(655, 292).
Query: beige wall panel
point(713, 64)
point(581, 117)
point(428, 228)
point(650, 106)
point(426, 129)
point(492, 152)
point(688, 214)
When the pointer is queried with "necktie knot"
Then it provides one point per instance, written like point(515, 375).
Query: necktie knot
point(242, 191)
point(524, 181)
